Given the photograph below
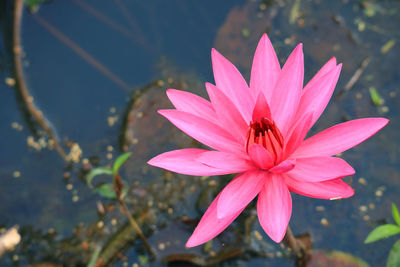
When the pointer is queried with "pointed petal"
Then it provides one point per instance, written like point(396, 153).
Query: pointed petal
point(339, 138)
point(297, 134)
point(333, 189)
point(318, 169)
point(202, 130)
point(261, 109)
point(274, 207)
point(229, 117)
point(231, 82)
point(265, 70)
point(234, 163)
point(317, 93)
point(192, 104)
point(287, 91)
point(185, 161)
point(326, 68)
point(210, 225)
point(239, 192)
point(261, 157)
point(284, 166)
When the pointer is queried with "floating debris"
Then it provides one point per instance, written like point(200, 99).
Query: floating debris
point(376, 99)
point(324, 222)
point(9, 240)
point(363, 208)
point(16, 174)
point(75, 153)
point(386, 47)
point(362, 181)
point(111, 120)
point(17, 126)
point(320, 208)
point(10, 81)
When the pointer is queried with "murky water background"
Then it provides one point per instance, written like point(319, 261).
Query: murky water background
point(98, 71)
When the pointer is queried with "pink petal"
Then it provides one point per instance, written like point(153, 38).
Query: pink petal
point(265, 70)
point(317, 93)
point(231, 82)
point(239, 192)
point(284, 166)
point(234, 163)
point(333, 189)
point(185, 161)
point(261, 157)
point(261, 109)
point(229, 117)
point(210, 225)
point(326, 68)
point(287, 91)
point(318, 169)
point(297, 134)
point(274, 207)
point(202, 130)
point(192, 104)
point(339, 138)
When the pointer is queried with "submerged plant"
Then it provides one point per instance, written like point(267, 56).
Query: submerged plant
point(258, 131)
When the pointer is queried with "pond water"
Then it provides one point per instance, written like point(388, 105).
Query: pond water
point(98, 70)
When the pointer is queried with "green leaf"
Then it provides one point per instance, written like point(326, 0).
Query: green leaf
point(382, 231)
point(395, 214)
point(95, 172)
point(119, 161)
point(394, 256)
point(94, 257)
point(376, 99)
point(106, 190)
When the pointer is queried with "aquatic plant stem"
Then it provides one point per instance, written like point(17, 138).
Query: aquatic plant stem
point(118, 189)
point(134, 224)
point(22, 88)
point(294, 244)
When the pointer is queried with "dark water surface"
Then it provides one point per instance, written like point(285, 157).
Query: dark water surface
point(83, 62)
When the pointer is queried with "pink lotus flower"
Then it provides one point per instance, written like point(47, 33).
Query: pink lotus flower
point(258, 132)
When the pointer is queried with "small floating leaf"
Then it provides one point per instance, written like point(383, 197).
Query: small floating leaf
point(395, 214)
point(381, 232)
point(95, 172)
point(376, 99)
point(394, 256)
point(294, 12)
point(120, 160)
point(106, 190)
point(386, 47)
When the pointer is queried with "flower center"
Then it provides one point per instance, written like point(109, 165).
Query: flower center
point(265, 132)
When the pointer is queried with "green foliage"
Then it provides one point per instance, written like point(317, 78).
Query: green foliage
point(394, 256)
point(106, 190)
point(395, 214)
point(33, 5)
point(119, 161)
point(94, 257)
point(376, 99)
point(387, 230)
point(381, 232)
point(97, 171)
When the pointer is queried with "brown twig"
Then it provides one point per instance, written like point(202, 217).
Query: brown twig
point(117, 181)
point(26, 97)
point(356, 76)
point(292, 242)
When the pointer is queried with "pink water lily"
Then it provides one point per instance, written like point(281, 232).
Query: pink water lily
point(258, 131)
